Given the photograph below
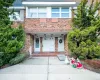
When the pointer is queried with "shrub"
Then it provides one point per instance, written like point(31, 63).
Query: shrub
point(19, 58)
point(1, 58)
point(1, 62)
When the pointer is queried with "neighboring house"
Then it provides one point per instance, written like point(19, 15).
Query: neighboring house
point(46, 23)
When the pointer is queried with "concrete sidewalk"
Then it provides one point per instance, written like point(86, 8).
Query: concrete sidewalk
point(45, 68)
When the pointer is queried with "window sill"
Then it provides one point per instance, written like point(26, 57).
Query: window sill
point(47, 18)
point(17, 20)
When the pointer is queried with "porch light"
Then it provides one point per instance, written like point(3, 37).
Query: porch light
point(62, 35)
point(36, 35)
point(51, 35)
point(45, 35)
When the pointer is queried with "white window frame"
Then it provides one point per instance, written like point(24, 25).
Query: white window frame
point(49, 12)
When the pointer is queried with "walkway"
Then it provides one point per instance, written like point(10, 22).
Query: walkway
point(46, 68)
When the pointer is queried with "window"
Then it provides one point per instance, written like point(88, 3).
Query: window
point(65, 12)
point(55, 12)
point(60, 12)
point(15, 16)
point(37, 12)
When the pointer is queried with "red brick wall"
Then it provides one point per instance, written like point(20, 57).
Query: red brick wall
point(66, 44)
point(17, 23)
point(56, 44)
point(47, 25)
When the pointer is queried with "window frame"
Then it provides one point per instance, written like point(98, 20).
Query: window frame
point(48, 12)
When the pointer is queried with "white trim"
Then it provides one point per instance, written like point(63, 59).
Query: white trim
point(74, 7)
point(70, 12)
point(27, 12)
point(47, 3)
point(48, 12)
point(16, 8)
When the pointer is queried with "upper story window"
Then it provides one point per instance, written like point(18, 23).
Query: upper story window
point(15, 16)
point(48, 12)
point(60, 12)
point(37, 12)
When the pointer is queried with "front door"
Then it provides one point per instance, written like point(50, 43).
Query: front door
point(37, 45)
point(48, 44)
point(60, 44)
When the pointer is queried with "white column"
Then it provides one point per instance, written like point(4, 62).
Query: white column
point(22, 15)
point(26, 12)
point(70, 12)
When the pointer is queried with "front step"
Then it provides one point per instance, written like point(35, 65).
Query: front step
point(46, 54)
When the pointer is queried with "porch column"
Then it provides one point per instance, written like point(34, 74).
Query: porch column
point(28, 44)
point(32, 43)
point(66, 44)
point(56, 44)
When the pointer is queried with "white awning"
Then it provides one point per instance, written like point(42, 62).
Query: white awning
point(48, 3)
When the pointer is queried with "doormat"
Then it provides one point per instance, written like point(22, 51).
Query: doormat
point(61, 57)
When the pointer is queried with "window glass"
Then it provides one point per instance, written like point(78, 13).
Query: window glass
point(33, 15)
point(37, 43)
point(37, 12)
point(15, 16)
point(55, 10)
point(42, 10)
point(60, 12)
point(55, 15)
point(32, 10)
point(64, 9)
point(41, 15)
point(65, 15)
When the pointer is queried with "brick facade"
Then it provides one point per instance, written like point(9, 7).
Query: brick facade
point(66, 44)
point(17, 23)
point(56, 44)
point(48, 25)
point(41, 25)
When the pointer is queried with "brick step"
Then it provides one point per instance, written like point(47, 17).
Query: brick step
point(45, 54)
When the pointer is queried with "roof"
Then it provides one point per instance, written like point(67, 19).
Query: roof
point(49, 0)
point(17, 3)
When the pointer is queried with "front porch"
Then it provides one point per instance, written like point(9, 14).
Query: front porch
point(47, 44)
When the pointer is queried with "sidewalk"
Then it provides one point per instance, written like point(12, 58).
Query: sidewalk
point(46, 68)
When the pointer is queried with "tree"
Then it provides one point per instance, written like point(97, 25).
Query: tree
point(86, 24)
point(11, 39)
point(86, 15)
point(4, 12)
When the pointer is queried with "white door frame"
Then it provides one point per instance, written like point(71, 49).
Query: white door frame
point(36, 49)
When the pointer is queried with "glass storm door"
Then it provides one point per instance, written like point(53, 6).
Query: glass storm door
point(37, 45)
